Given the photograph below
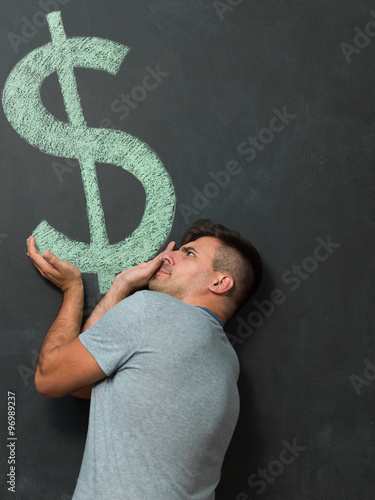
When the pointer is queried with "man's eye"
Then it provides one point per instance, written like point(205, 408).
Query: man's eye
point(188, 252)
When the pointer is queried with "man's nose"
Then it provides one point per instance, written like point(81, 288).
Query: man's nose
point(168, 258)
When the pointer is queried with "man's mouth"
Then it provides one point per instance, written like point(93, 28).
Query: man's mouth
point(163, 271)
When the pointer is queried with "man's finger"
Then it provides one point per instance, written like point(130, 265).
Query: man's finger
point(31, 247)
point(43, 262)
point(51, 259)
point(169, 248)
point(157, 261)
point(33, 252)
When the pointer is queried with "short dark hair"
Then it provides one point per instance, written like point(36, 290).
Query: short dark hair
point(237, 257)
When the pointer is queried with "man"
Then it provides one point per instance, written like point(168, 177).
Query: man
point(160, 370)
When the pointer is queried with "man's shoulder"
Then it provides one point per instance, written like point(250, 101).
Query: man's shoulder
point(147, 301)
point(151, 303)
point(151, 297)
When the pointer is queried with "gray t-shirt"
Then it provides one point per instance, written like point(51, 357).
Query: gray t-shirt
point(161, 422)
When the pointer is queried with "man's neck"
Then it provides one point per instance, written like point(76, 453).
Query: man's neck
point(206, 303)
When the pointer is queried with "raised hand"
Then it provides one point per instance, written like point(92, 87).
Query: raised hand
point(59, 272)
point(139, 276)
point(126, 283)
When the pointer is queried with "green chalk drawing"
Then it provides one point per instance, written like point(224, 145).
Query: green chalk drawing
point(24, 110)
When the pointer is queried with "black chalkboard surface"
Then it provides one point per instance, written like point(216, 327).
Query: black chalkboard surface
point(262, 116)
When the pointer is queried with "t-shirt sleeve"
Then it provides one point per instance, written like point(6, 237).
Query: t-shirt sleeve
point(116, 336)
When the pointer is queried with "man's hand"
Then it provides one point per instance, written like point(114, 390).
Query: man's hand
point(139, 276)
point(64, 365)
point(125, 284)
point(59, 272)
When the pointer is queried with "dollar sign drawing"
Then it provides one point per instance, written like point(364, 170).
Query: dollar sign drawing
point(24, 110)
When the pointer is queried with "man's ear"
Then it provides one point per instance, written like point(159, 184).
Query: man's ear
point(222, 284)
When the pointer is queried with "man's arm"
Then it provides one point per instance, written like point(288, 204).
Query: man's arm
point(125, 284)
point(110, 299)
point(65, 366)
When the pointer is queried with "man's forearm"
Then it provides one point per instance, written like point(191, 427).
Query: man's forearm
point(65, 328)
point(114, 295)
point(124, 284)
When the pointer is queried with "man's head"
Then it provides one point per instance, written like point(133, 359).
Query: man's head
point(215, 267)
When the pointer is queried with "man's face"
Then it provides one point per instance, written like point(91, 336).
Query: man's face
point(186, 273)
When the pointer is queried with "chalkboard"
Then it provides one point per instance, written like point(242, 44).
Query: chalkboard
point(260, 115)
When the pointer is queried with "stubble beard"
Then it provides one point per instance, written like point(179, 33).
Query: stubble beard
point(178, 289)
point(165, 286)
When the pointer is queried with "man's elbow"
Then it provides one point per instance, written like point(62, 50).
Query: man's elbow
point(45, 387)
